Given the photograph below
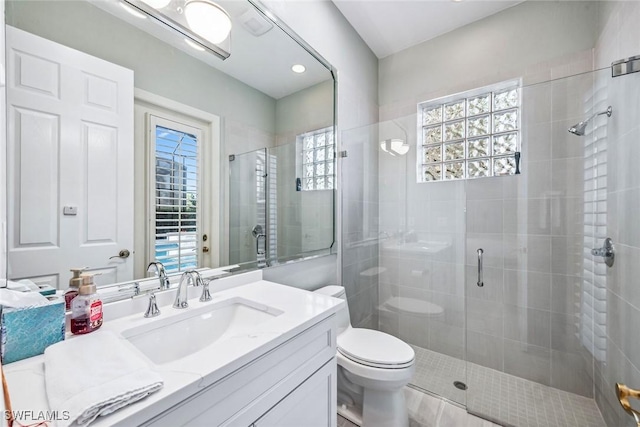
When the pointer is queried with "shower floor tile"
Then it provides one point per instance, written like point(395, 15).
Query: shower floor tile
point(426, 410)
point(503, 398)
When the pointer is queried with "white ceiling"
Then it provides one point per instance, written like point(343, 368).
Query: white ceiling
point(389, 26)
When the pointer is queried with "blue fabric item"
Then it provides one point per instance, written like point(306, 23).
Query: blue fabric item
point(27, 332)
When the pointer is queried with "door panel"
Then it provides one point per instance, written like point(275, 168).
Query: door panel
point(70, 145)
point(247, 207)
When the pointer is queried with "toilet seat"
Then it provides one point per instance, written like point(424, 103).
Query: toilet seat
point(375, 349)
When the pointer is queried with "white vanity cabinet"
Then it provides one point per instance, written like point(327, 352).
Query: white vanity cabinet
point(294, 384)
point(312, 404)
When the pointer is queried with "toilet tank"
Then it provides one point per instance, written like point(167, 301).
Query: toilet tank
point(343, 319)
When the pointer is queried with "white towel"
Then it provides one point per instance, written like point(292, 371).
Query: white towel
point(95, 375)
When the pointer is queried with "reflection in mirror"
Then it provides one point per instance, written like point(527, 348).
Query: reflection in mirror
point(119, 134)
point(282, 200)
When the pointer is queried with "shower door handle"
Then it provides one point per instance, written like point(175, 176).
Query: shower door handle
point(258, 237)
point(480, 272)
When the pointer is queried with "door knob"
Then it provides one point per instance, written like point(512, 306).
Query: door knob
point(122, 254)
point(624, 393)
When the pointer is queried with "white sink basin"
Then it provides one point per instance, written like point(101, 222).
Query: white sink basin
point(172, 338)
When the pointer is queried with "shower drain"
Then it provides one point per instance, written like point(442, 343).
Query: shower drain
point(460, 385)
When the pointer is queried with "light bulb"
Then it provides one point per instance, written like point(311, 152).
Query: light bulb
point(208, 20)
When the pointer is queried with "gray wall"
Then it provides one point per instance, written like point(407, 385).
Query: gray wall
point(307, 216)
point(619, 37)
point(298, 112)
point(511, 42)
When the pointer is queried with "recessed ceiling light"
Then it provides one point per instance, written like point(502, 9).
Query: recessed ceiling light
point(132, 11)
point(298, 68)
point(194, 45)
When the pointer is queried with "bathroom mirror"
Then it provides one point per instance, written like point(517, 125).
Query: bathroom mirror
point(282, 200)
point(122, 134)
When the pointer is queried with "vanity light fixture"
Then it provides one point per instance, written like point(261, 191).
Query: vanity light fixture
point(298, 68)
point(208, 20)
point(395, 146)
point(132, 11)
point(202, 22)
point(157, 4)
point(194, 45)
point(270, 15)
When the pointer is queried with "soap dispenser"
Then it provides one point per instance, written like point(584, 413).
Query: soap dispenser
point(74, 287)
point(86, 308)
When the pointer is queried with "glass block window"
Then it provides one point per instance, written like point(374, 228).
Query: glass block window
point(318, 159)
point(470, 135)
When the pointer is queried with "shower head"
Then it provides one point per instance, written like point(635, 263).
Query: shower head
point(578, 129)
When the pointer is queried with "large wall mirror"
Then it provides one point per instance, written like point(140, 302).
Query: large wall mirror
point(129, 143)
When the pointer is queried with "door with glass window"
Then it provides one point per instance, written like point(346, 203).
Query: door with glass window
point(175, 203)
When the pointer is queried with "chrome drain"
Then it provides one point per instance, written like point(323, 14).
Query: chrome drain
point(460, 385)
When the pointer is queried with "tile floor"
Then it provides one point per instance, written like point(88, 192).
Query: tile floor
point(505, 398)
point(428, 411)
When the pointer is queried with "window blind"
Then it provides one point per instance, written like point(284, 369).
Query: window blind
point(176, 205)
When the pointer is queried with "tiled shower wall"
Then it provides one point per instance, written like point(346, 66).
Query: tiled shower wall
point(523, 321)
point(421, 251)
point(620, 38)
point(530, 226)
point(526, 319)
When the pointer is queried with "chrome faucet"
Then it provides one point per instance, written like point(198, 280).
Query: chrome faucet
point(190, 276)
point(152, 309)
point(159, 271)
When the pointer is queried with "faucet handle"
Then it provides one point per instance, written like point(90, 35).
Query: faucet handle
point(152, 309)
point(206, 295)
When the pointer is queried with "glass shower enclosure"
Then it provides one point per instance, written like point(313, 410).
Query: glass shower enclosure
point(276, 211)
point(491, 280)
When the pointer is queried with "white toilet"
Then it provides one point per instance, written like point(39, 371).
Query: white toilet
point(373, 368)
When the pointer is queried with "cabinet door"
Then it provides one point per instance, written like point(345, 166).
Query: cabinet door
point(312, 404)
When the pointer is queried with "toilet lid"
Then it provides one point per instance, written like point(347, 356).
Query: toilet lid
point(375, 348)
point(413, 306)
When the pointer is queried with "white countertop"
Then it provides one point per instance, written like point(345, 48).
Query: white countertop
point(184, 377)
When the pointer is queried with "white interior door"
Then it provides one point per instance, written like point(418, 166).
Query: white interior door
point(70, 162)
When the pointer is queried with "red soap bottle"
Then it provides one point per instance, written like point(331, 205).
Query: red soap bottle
point(86, 308)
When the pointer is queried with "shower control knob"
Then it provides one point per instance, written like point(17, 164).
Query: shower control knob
point(607, 251)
